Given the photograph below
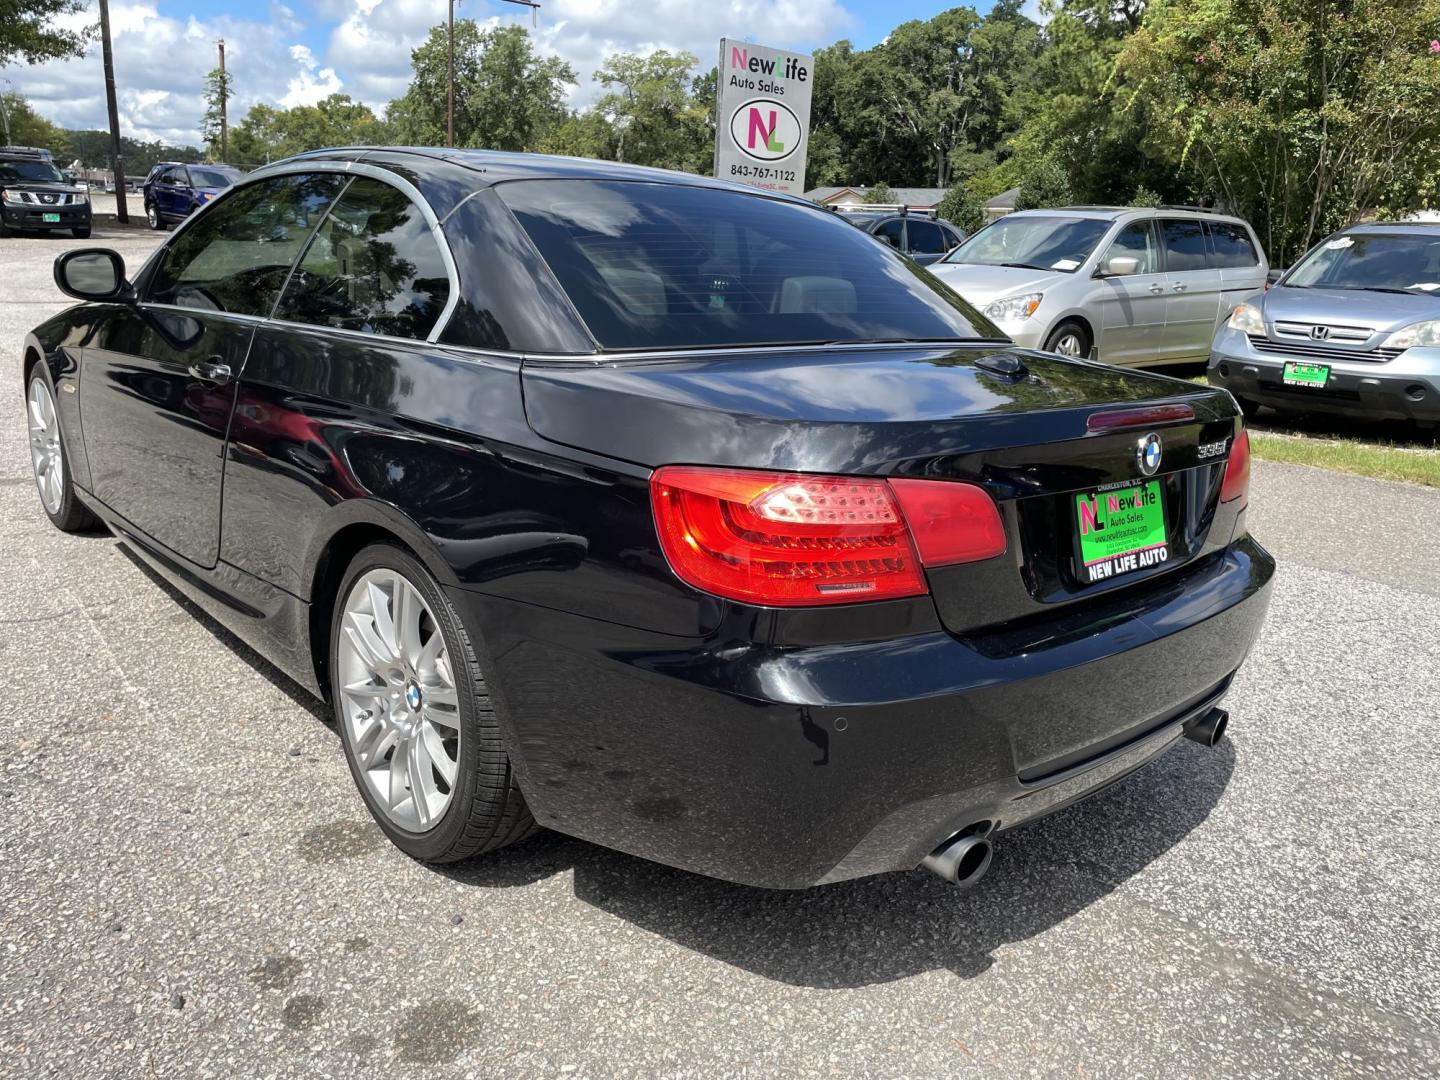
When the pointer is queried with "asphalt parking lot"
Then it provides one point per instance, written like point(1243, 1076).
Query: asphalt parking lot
point(190, 886)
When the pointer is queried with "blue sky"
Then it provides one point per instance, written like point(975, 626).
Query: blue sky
point(286, 52)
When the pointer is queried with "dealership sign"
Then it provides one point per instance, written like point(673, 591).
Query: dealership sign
point(763, 119)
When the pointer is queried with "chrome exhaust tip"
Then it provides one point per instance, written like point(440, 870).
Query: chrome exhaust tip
point(961, 860)
point(1210, 728)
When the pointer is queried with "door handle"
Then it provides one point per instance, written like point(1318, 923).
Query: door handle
point(1178, 287)
point(1157, 288)
point(213, 370)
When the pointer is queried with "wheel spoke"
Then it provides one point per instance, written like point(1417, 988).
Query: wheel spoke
point(398, 771)
point(417, 765)
point(429, 653)
point(369, 646)
point(442, 696)
point(384, 621)
point(367, 691)
point(372, 742)
point(435, 747)
point(409, 610)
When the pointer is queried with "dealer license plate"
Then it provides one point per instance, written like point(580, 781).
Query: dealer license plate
point(50, 219)
point(1314, 376)
point(1121, 530)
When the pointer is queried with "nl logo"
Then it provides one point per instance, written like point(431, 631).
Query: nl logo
point(765, 130)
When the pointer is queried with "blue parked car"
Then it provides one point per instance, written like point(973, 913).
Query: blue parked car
point(174, 191)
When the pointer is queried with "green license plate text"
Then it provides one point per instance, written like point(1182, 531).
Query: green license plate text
point(50, 219)
point(1120, 530)
point(1316, 375)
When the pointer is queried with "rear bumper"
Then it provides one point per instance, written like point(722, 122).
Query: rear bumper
point(792, 767)
point(33, 217)
point(1405, 388)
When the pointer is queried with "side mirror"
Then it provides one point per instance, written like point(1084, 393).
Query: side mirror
point(1120, 266)
point(93, 274)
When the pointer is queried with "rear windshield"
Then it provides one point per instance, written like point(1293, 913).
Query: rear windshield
point(1383, 261)
point(1034, 243)
point(663, 266)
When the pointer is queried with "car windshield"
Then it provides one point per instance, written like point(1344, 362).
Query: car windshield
point(12, 171)
point(1384, 261)
point(1038, 243)
point(663, 266)
point(212, 178)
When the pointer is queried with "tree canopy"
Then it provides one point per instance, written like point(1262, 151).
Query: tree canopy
point(28, 34)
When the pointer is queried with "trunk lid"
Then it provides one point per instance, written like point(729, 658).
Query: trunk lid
point(921, 411)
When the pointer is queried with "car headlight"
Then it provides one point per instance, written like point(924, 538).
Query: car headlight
point(14, 198)
point(79, 198)
point(1421, 333)
point(1014, 309)
point(1247, 319)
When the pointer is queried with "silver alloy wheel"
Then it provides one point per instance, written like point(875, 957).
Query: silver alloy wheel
point(1067, 344)
point(398, 699)
point(46, 456)
point(154, 216)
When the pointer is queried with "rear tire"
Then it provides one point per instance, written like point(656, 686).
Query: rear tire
point(1070, 338)
point(49, 463)
point(446, 738)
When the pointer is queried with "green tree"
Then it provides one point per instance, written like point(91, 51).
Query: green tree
point(91, 147)
point(881, 193)
point(28, 128)
point(29, 34)
point(1045, 184)
point(217, 96)
point(1303, 115)
point(507, 96)
point(584, 135)
point(268, 134)
point(649, 104)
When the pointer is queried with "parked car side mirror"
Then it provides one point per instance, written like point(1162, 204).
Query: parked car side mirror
point(93, 274)
point(1120, 266)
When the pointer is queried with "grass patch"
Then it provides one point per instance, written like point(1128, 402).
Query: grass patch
point(1383, 461)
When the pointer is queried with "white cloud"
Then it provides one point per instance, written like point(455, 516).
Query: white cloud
point(161, 61)
point(313, 83)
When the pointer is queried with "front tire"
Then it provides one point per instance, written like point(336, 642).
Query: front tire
point(1070, 338)
point(416, 721)
point(47, 459)
point(82, 233)
point(153, 219)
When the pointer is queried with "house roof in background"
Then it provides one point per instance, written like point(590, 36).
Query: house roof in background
point(909, 196)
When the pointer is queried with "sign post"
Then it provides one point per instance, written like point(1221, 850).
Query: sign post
point(762, 119)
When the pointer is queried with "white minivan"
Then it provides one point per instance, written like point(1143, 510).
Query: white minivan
point(1135, 285)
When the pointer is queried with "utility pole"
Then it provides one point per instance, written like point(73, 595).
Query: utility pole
point(122, 215)
point(224, 103)
point(450, 80)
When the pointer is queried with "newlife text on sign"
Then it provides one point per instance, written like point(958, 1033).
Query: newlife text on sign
point(762, 122)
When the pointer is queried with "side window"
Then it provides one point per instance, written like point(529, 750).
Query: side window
point(1232, 245)
point(926, 238)
point(1136, 241)
point(235, 257)
point(180, 176)
point(952, 238)
point(1185, 245)
point(170, 177)
point(374, 266)
point(892, 232)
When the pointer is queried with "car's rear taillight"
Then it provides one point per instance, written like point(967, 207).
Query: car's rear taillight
point(794, 539)
point(1236, 484)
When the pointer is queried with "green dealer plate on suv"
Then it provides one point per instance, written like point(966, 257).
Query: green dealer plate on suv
point(50, 219)
point(1120, 530)
point(1312, 375)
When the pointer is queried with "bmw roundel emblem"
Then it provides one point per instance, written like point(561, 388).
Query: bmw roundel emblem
point(412, 696)
point(1148, 452)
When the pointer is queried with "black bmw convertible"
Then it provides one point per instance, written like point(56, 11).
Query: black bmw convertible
point(673, 515)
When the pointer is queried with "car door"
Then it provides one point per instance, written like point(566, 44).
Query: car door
point(925, 241)
point(1132, 307)
point(166, 200)
point(1193, 290)
point(1237, 256)
point(157, 379)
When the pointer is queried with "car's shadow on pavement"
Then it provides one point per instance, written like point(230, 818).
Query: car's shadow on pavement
point(888, 927)
point(870, 930)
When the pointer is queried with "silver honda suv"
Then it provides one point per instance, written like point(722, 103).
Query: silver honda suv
point(1353, 329)
point(1138, 286)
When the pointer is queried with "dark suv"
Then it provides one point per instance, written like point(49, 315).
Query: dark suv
point(924, 239)
point(34, 195)
point(174, 191)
